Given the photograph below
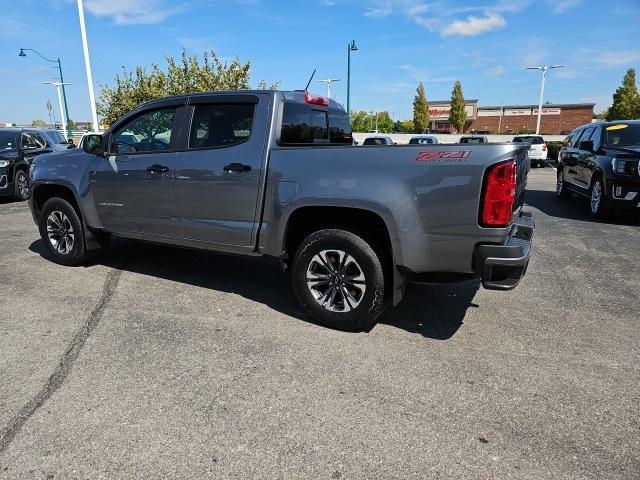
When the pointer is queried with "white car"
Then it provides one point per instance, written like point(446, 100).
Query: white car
point(538, 150)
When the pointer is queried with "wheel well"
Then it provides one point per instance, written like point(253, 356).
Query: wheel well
point(364, 223)
point(45, 192)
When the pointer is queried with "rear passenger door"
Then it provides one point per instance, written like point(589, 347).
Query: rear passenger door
point(219, 173)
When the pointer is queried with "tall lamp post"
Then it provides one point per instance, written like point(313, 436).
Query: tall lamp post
point(87, 66)
point(60, 86)
point(351, 47)
point(67, 132)
point(544, 69)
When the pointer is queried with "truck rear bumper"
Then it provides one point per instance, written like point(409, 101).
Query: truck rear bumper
point(501, 267)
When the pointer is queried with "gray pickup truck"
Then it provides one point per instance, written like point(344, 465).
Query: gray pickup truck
point(275, 173)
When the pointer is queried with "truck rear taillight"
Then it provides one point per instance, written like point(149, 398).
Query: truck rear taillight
point(499, 194)
point(544, 147)
point(316, 100)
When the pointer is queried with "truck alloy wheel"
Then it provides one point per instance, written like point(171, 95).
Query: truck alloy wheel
point(597, 201)
point(60, 232)
point(338, 279)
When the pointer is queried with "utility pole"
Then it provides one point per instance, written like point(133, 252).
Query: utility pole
point(544, 69)
point(59, 86)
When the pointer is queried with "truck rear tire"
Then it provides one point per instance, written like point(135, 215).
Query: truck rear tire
point(61, 231)
point(338, 279)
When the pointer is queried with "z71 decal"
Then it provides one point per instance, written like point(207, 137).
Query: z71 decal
point(443, 155)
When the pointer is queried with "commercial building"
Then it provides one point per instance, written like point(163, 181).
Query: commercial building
point(556, 117)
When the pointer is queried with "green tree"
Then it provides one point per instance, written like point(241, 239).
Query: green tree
point(407, 126)
point(398, 127)
point(71, 124)
point(420, 110)
point(626, 100)
point(186, 75)
point(457, 114)
point(38, 123)
point(385, 122)
point(361, 121)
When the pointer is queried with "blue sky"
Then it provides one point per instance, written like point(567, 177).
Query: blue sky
point(485, 44)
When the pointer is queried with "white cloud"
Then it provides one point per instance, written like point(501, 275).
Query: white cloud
point(473, 26)
point(561, 6)
point(444, 17)
point(127, 12)
point(496, 71)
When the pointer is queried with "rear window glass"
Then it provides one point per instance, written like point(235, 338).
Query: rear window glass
point(420, 141)
point(532, 140)
point(471, 140)
point(303, 125)
point(339, 128)
point(374, 141)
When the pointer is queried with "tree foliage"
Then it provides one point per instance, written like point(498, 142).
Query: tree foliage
point(362, 121)
point(420, 110)
point(457, 114)
point(626, 100)
point(188, 74)
point(38, 123)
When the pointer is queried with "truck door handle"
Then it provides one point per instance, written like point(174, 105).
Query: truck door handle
point(157, 169)
point(237, 168)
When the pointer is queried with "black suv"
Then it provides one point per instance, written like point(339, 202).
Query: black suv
point(18, 147)
point(601, 161)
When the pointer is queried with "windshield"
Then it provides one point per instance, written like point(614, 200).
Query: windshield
point(7, 140)
point(622, 134)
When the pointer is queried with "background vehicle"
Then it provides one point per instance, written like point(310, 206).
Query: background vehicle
point(538, 150)
point(55, 140)
point(423, 140)
point(275, 173)
point(18, 147)
point(378, 141)
point(602, 162)
point(473, 139)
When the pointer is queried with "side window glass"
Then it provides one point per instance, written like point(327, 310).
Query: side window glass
point(575, 139)
point(584, 137)
point(149, 132)
point(596, 138)
point(39, 140)
point(220, 125)
point(28, 141)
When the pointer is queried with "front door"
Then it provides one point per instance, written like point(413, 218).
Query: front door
point(133, 186)
point(218, 176)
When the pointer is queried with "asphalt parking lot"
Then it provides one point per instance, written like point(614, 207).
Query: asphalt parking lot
point(157, 362)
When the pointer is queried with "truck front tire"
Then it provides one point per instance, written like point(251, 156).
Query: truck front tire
point(338, 279)
point(61, 231)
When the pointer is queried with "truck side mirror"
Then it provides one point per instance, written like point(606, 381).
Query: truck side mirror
point(92, 144)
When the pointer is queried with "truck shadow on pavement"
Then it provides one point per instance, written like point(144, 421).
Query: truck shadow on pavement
point(576, 208)
point(433, 311)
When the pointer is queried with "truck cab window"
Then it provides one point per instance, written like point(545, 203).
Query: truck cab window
point(302, 125)
point(149, 132)
point(219, 125)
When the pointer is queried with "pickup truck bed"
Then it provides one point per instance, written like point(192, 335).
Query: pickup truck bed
point(275, 173)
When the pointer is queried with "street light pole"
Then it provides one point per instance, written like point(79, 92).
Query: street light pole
point(329, 81)
point(67, 133)
point(544, 69)
point(351, 47)
point(87, 65)
point(59, 86)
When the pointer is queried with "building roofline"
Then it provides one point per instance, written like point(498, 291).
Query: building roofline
point(545, 105)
